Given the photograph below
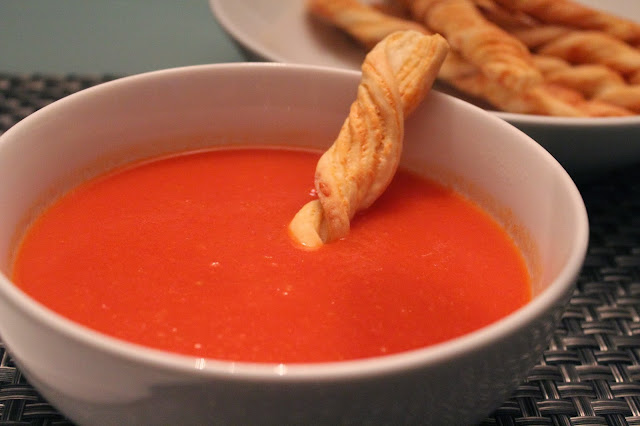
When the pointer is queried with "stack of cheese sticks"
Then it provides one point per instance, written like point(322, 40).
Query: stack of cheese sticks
point(544, 57)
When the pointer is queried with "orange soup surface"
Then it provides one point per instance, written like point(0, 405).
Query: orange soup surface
point(191, 254)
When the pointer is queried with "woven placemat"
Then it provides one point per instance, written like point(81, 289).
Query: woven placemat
point(590, 373)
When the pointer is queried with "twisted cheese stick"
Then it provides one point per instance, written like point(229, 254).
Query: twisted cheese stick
point(504, 18)
point(583, 47)
point(543, 99)
point(497, 54)
point(459, 73)
point(535, 37)
point(363, 23)
point(396, 75)
point(593, 80)
point(593, 47)
point(570, 13)
point(578, 46)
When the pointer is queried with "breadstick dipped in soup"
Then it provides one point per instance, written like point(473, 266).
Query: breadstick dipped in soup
point(357, 168)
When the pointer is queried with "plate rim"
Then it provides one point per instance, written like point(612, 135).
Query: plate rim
point(262, 51)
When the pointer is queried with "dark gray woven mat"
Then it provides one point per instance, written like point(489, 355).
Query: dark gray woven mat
point(589, 375)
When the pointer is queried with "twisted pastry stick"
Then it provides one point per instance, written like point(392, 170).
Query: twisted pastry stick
point(363, 23)
point(536, 37)
point(541, 99)
point(579, 46)
point(396, 75)
point(593, 80)
point(504, 18)
point(525, 28)
point(497, 54)
point(546, 98)
point(583, 47)
point(570, 13)
point(392, 8)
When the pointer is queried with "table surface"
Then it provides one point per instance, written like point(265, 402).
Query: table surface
point(590, 373)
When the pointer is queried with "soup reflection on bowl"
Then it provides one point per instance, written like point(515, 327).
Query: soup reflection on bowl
point(169, 291)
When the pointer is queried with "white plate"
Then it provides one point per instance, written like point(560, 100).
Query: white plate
point(281, 31)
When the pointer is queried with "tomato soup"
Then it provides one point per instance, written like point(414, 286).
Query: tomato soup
point(191, 254)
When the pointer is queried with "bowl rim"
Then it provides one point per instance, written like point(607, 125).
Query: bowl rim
point(542, 121)
point(337, 370)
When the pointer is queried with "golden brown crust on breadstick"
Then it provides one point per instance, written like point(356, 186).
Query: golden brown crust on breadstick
point(535, 37)
point(504, 18)
point(542, 99)
point(467, 78)
point(396, 75)
point(365, 24)
point(573, 14)
point(594, 47)
point(595, 81)
point(491, 49)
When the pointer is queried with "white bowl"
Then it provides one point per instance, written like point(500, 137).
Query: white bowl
point(586, 147)
point(96, 379)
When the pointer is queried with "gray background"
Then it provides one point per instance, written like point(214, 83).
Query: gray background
point(110, 36)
